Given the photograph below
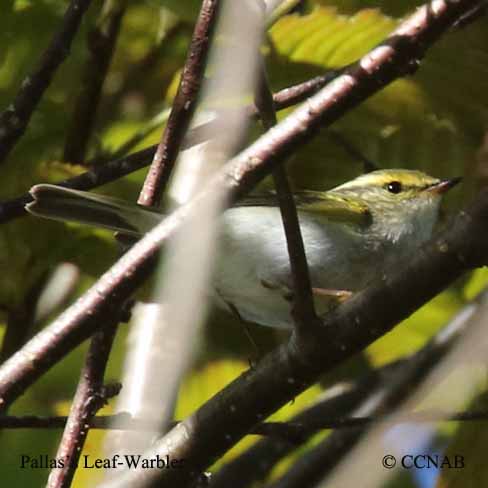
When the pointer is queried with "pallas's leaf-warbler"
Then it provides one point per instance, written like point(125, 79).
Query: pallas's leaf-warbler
point(351, 234)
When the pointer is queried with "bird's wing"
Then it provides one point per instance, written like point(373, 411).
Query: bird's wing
point(333, 207)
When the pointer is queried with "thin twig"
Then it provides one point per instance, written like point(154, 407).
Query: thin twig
point(101, 46)
point(14, 120)
point(352, 151)
point(285, 98)
point(99, 175)
point(183, 106)
point(105, 172)
point(303, 310)
point(90, 396)
point(291, 432)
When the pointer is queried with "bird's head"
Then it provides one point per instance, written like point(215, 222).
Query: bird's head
point(401, 202)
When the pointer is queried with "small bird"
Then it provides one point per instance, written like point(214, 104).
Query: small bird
point(352, 234)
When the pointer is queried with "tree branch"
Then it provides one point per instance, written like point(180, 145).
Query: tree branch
point(256, 463)
point(90, 396)
point(303, 310)
point(291, 432)
point(14, 120)
point(320, 460)
point(183, 106)
point(97, 176)
point(103, 172)
point(285, 98)
point(101, 45)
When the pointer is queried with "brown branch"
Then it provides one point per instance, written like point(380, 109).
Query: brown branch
point(285, 98)
point(14, 120)
point(281, 375)
point(284, 437)
point(391, 384)
point(291, 432)
point(255, 463)
point(101, 45)
point(319, 461)
point(303, 311)
point(90, 396)
point(352, 151)
point(105, 172)
point(183, 106)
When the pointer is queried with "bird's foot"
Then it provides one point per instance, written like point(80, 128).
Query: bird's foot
point(339, 295)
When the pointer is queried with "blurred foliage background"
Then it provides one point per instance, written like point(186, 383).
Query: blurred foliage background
point(435, 121)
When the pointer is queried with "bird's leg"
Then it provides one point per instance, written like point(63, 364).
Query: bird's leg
point(233, 310)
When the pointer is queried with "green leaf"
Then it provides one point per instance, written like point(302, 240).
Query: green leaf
point(477, 282)
point(186, 9)
point(414, 332)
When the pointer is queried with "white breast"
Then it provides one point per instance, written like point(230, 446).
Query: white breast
point(253, 272)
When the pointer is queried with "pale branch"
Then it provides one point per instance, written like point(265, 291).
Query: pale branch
point(284, 373)
point(183, 108)
point(101, 43)
point(14, 119)
point(285, 98)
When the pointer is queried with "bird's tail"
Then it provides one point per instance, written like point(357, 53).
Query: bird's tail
point(59, 203)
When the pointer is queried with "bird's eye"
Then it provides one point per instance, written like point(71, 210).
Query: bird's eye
point(394, 187)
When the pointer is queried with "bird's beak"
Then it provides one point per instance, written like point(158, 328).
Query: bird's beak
point(443, 186)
